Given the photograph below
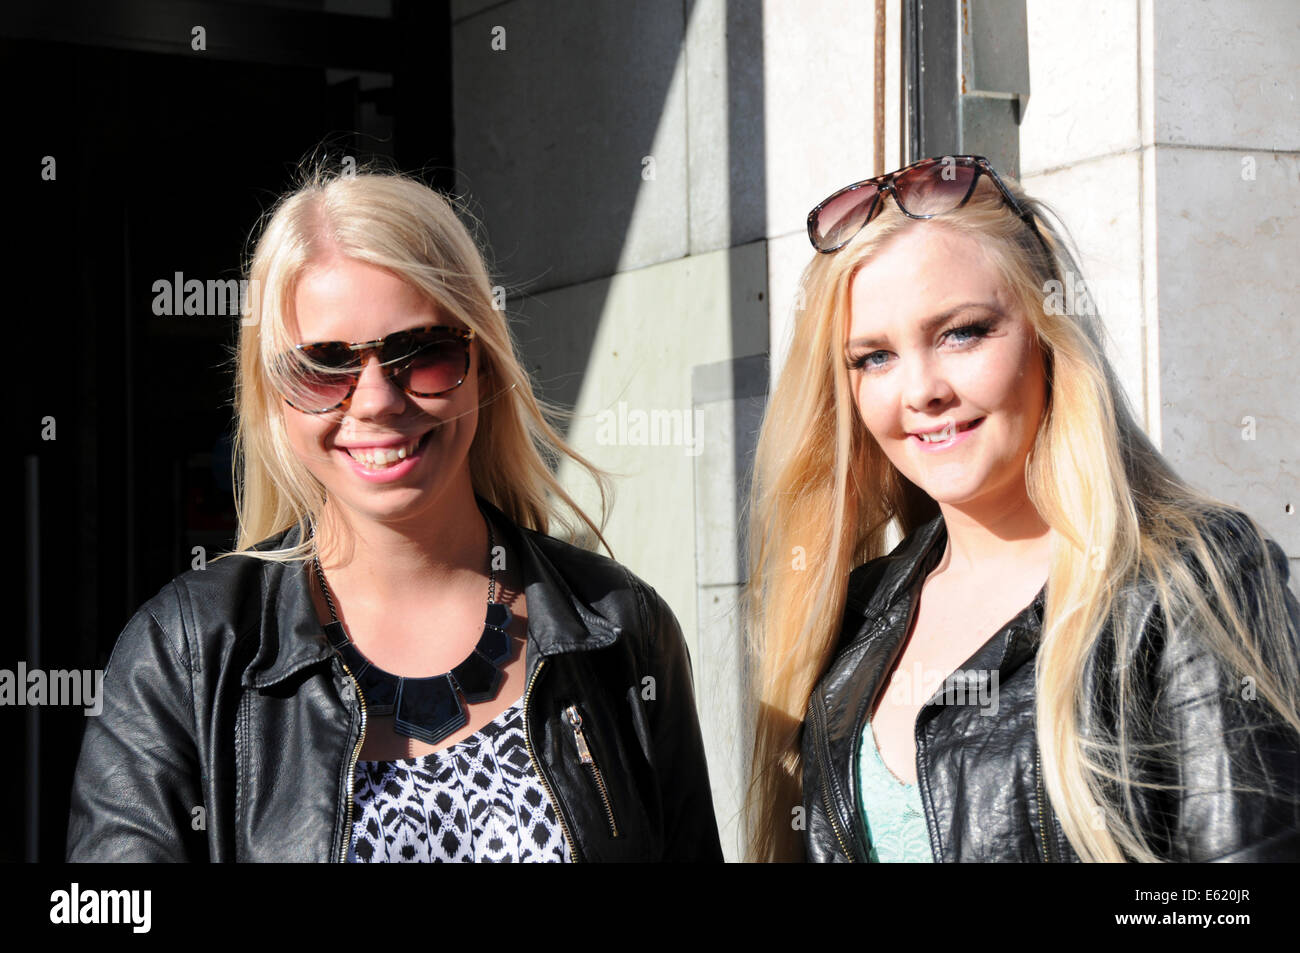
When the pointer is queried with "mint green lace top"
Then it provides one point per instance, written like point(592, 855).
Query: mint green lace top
point(891, 810)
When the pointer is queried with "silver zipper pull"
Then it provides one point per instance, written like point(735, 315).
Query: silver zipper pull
point(575, 720)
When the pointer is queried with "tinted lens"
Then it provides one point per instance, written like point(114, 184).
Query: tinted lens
point(332, 356)
point(842, 217)
point(310, 382)
point(936, 188)
point(436, 365)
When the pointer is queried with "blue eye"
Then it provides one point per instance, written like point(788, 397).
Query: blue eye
point(864, 361)
point(969, 332)
point(962, 337)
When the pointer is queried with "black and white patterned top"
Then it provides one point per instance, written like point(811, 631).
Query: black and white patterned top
point(478, 801)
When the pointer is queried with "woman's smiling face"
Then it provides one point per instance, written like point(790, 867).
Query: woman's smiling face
point(341, 299)
point(937, 344)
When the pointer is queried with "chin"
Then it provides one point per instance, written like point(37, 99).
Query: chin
point(943, 494)
point(386, 503)
point(963, 493)
point(394, 506)
point(949, 491)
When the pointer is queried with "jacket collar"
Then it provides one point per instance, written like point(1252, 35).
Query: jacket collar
point(918, 553)
point(291, 634)
point(558, 621)
point(292, 637)
point(878, 606)
point(882, 597)
point(878, 615)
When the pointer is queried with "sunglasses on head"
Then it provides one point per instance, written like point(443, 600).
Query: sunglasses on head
point(923, 189)
point(424, 362)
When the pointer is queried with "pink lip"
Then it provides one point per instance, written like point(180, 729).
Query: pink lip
point(957, 427)
point(395, 472)
point(959, 437)
point(389, 474)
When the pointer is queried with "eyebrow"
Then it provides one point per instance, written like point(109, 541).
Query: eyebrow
point(930, 323)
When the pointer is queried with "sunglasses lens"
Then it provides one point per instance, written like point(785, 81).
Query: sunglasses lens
point(842, 217)
point(436, 366)
point(312, 383)
point(426, 363)
point(936, 188)
point(313, 389)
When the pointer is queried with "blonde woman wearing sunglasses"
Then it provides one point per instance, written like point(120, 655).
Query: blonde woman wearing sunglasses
point(397, 663)
point(1072, 654)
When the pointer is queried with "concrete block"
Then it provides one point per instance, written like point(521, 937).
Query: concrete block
point(725, 722)
point(787, 257)
point(818, 95)
point(729, 400)
point(1100, 202)
point(725, 96)
point(1083, 80)
point(620, 352)
point(571, 140)
point(1228, 344)
point(1225, 73)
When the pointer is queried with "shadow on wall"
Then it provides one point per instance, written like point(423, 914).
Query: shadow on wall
point(572, 143)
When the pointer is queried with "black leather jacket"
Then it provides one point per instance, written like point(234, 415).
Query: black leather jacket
point(230, 730)
point(980, 778)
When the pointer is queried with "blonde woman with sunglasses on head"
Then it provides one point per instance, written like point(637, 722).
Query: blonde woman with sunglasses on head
point(1072, 654)
point(396, 663)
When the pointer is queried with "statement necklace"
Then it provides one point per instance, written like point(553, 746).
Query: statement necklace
point(429, 709)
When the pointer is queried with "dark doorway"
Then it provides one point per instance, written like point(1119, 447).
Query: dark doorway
point(163, 158)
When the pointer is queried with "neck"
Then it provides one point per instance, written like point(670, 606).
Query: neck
point(988, 539)
point(391, 561)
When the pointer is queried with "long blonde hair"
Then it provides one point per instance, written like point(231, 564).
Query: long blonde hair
point(824, 496)
point(395, 222)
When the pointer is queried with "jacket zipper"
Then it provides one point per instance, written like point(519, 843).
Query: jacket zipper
point(831, 814)
point(356, 752)
point(585, 757)
point(1048, 854)
point(537, 766)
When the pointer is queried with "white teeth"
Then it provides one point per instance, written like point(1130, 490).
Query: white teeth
point(947, 433)
point(383, 457)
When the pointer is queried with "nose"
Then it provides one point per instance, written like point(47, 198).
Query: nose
point(376, 394)
point(925, 386)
